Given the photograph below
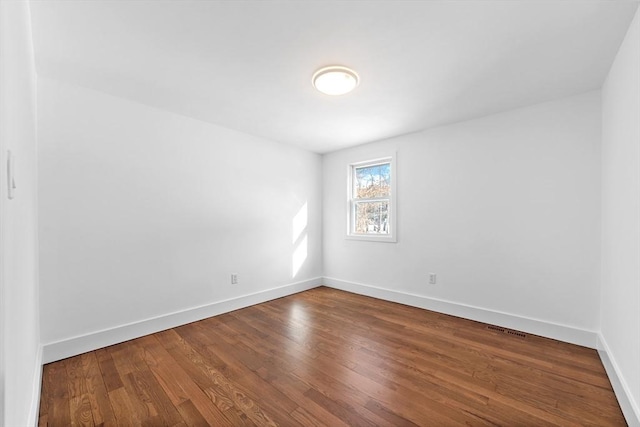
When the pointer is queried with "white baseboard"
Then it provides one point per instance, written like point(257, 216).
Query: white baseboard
point(629, 407)
point(34, 407)
point(81, 344)
point(511, 321)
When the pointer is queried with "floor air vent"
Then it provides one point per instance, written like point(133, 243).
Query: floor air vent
point(506, 331)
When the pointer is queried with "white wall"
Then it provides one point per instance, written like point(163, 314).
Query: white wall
point(505, 210)
point(620, 316)
point(144, 213)
point(20, 369)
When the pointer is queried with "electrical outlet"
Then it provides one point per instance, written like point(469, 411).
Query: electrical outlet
point(234, 278)
point(432, 278)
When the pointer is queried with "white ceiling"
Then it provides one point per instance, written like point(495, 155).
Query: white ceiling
point(247, 65)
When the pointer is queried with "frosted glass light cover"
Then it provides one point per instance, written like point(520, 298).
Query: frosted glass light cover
point(335, 80)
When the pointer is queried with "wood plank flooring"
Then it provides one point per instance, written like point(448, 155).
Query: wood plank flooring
point(330, 358)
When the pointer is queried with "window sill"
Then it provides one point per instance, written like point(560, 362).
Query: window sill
point(372, 238)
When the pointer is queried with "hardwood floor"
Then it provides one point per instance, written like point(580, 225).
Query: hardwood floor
point(330, 358)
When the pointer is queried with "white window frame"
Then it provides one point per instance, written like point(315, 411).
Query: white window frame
point(391, 237)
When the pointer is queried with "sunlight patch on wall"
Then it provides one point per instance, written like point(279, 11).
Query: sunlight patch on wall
point(299, 239)
point(299, 223)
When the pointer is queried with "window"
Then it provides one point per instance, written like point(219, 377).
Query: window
point(371, 213)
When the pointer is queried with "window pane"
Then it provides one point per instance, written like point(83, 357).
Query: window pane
point(371, 217)
point(372, 181)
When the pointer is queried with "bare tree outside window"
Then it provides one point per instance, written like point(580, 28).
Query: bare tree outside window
point(371, 197)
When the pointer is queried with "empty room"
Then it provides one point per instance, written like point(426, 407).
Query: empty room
point(319, 213)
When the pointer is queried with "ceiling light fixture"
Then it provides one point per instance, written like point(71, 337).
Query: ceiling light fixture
point(335, 80)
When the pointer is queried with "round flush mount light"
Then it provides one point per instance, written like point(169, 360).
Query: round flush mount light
point(335, 80)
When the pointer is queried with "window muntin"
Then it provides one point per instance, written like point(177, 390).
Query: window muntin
point(371, 192)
